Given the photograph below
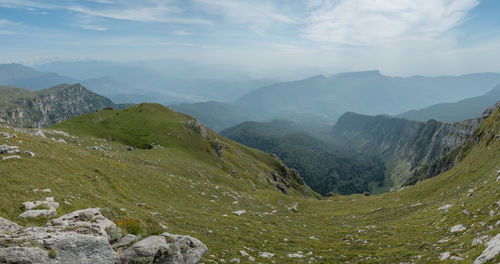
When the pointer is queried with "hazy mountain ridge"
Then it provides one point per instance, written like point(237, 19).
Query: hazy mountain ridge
point(164, 81)
point(364, 92)
point(28, 78)
point(404, 145)
point(24, 108)
point(455, 112)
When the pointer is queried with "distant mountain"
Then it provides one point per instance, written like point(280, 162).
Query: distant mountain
point(323, 169)
point(167, 80)
point(402, 144)
point(363, 92)
point(25, 108)
point(458, 111)
point(28, 78)
point(215, 115)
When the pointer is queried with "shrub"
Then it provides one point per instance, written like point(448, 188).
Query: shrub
point(133, 226)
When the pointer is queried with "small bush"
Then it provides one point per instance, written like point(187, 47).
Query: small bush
point(53, 253)
point(133, 226)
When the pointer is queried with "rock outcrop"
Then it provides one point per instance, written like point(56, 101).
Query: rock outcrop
point(50, 106)
point(86, 236)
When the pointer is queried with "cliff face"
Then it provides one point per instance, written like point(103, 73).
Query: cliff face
point(404, 145)
point(483, 134)
point(50, 106)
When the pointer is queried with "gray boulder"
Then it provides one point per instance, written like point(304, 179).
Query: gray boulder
point(91, 218)
point(7, 226)
point(48, 213)
point(24, 255)
point(84, 237)
point(165, 248)
point(491, 251)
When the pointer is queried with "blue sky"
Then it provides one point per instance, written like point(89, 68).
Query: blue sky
point(263, 37)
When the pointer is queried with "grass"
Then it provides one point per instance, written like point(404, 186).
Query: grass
point(195, 193)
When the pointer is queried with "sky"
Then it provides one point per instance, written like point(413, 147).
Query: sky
point(266, 38)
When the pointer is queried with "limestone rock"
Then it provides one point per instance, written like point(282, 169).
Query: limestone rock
point(39, 213)
point(457, 228)
point(491, 251)
point(81, 237)
point(239, 212)
point(145, 250)
point(444, 256)
point(39, 133)
point(7, 226)
point(56, 245)
point(165, 248)
point(90, 217)
point(189, 250)
point(266, 255)
point(24, 255)
point(11, 157)
point(29, 153)
point(124, 241)
point(445, 207)
point(47, 204)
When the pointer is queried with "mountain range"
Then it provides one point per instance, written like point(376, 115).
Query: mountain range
point(455, 112)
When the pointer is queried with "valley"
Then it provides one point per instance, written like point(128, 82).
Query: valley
point(195, 192)
point(235, 132)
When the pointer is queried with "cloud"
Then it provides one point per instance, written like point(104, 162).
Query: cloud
point(145, 13)
point(260, 14)
point(92, 27)
point(5, 22)
point(182, 33)
point(139, 11)
point(367, 22)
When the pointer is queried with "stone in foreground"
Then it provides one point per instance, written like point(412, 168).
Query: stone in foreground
point(82, 237)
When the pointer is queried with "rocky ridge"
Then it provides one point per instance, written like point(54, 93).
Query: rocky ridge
point(50, 106)
point(452, 158)
point(405, 145)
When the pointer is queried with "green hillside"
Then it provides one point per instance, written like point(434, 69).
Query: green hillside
point(186, 186)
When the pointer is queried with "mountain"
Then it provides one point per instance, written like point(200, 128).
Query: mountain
point(363, 92)
point(455, 112)
point(25, 108)
point(231, 203)
point(215, 115)
point(324, 169)
point(164, 81)
point(404, 145)
point(452, 158)
point(28, 78)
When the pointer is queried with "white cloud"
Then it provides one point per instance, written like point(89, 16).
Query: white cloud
point(92, 27)
point(5, 22)
point(260, 14)
point(159, 12)
point(367, 22)
point(181, 33)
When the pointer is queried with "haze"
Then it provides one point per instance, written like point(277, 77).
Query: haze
point(263, 38)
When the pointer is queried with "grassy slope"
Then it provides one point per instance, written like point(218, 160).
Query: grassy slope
point(193, 196)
